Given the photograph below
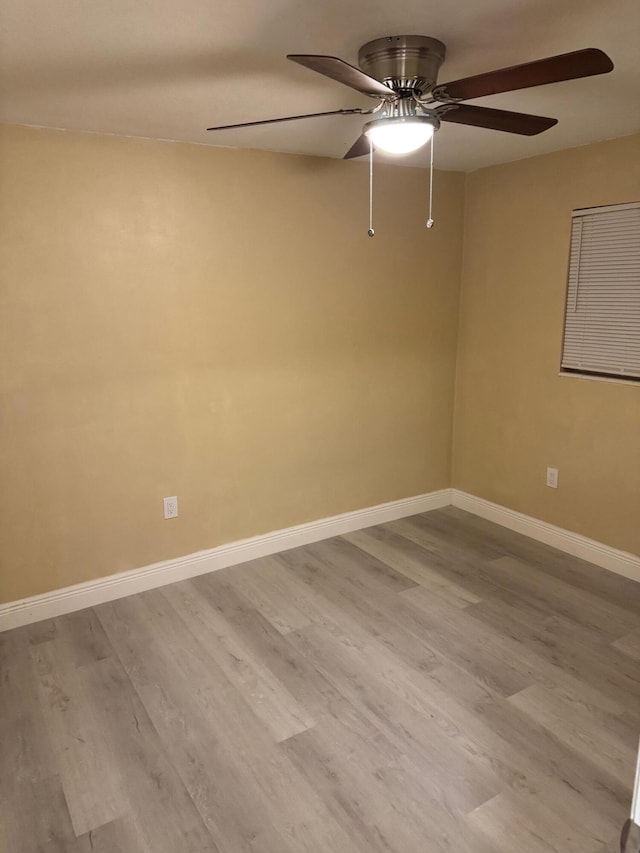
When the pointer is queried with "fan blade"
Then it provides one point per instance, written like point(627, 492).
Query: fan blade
point(356, 111)
point(566, 66)
point(359, 148)
point(341, 71)
point(526, 125)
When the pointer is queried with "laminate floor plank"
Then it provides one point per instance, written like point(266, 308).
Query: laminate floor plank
point(308, 686)
point(377, 610)
point(379, 542)
point(259, 584)
point(339, 601)
point(189, 707)
point(548, 569)
point(84, 637)
point(40, 632)
point(209, 730)
point(606, 742)
point(529, 758)
point(262, 803)
point(359, 568)
point(457, 562)
point(90, 776)
point(451, 530)
point(583, 608)
point(27, 753)
point(629, 644)
point(526, 754)
point(399, 690)
point(377, 793)
point(617, 589)
point(523, 658)
point(99, 724)
point(275, 583)
point(36, 817)
point(518, 581)
point(338, 760)
point(436, 684)
point(542, 627)
point(529, 827)
point(267, 697)
point(118, 836)
point(159, 807)
point(389, 700)
point(594, 674)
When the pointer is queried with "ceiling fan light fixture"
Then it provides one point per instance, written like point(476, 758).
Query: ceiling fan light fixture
point(401, 135)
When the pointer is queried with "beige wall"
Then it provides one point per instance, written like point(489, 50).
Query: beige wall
point(514, 414)
point(213, 324)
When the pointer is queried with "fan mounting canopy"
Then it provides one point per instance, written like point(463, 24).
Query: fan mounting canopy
point(403, 62)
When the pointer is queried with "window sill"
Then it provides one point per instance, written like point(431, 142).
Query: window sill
point(588, 376)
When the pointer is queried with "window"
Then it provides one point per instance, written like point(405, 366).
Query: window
point(602, 317)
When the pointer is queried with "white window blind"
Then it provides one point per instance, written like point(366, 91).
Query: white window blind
point(602, 319)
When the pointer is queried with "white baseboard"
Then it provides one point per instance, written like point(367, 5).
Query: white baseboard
point(79, 596)
point(88, 594)
point(620, 562)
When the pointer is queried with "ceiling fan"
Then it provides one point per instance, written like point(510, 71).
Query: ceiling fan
point(401, 73)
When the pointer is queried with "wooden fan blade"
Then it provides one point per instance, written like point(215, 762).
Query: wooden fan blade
point(338, 69)
point(359, 148)
point(356, 111)
point(566, 66)
point(522, 123)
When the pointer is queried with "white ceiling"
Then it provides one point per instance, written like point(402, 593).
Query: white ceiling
point(168, 68)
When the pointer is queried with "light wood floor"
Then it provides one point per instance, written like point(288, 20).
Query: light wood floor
point(433, 684)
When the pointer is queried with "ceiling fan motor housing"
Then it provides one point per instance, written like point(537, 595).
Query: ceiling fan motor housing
point(405, 63)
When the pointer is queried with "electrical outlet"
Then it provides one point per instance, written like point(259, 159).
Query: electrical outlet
point(552, 478)
point(170, 507)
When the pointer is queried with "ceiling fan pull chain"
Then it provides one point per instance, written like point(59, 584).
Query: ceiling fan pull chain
point(430, 222)
point(371, 232)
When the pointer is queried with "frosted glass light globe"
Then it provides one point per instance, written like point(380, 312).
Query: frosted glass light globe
point(400, 135)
